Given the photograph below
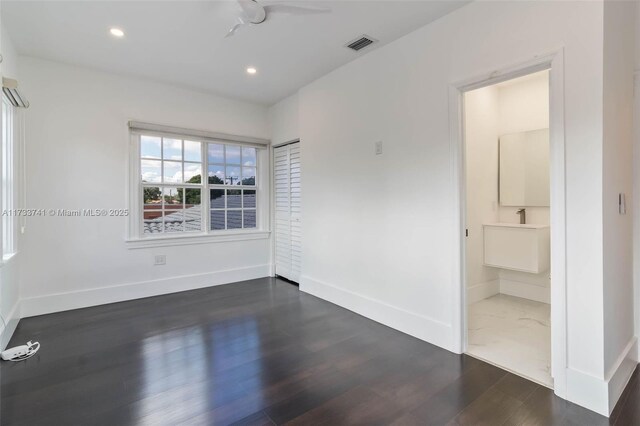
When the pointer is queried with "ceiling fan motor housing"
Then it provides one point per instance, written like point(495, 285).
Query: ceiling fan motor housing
point(253, 11)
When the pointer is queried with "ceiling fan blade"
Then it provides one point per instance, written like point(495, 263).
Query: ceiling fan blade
point(235, 28)
point(232, 31)
point(296, 10)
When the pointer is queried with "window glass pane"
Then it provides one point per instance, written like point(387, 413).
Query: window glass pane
point(249, 218)
point(192, 212)
point(248, 156)
point(249, 198)
point(232, 154)
point(232, 175)
point(152, 222)
point(216, 153)
point(172, 172)
point(192, 173)
point(216, 175)
point(150, 147)
point(192, 151)
point(248, 175)
point(150, 171)
point(233, 199)
point(174, 221)
point(151, 198)
point(217, 198)
point(217, 219)
point(193, 219)
point(191, 197)
point(172, 198)
point(234, 219)
point(172, 149)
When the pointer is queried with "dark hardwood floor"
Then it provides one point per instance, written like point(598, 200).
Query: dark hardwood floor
point(259, 353)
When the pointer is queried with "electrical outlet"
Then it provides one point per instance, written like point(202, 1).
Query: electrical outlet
point(378, 147)
point(160, 259)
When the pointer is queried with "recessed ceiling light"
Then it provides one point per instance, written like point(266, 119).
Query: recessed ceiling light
point(251, 70)
point(116, 32)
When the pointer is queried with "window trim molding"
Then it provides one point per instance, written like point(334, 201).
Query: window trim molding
point(200, 238)
point(203, 135)
point(133, 232)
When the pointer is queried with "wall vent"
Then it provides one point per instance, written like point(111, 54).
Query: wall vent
point(361, 42)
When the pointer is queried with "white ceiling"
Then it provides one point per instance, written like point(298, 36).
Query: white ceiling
point(182, 42)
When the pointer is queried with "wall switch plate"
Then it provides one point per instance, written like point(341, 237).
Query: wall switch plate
point(378, 147)
point(160, 259)
point(622, 203)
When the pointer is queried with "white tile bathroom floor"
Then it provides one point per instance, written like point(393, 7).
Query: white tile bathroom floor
point(512, 333)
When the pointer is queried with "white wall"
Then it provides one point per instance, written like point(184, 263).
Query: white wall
point(9, 56)
point(378, 231)
point(9, 271)
point(283, 119)
point(620, 348)
point(77, 158)
point(482, 116)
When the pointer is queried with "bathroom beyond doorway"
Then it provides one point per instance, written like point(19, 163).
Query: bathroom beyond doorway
point(507, 221)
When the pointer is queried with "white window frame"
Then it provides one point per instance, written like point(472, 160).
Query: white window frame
point(135, 233)
point(7, 155)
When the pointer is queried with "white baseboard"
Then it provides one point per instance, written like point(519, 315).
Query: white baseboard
point(525, 290)
point(99, 296)
point(422, 327)
point(601, 395)
point(481, 291)
point(12, 322)
point(587, 391)
point(621, 372)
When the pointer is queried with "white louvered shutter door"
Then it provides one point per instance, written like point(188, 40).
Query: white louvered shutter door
point(294, 196)
point(287, 192)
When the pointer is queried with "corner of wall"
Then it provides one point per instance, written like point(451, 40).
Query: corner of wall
point(283, 120)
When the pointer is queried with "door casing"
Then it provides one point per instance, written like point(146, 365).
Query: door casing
point(554, 62)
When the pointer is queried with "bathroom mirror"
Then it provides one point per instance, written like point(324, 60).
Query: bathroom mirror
point(524, 169)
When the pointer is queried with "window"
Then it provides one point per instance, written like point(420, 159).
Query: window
point(232, 186)
point(171, 176)
point(8, 225)
point(176, 200)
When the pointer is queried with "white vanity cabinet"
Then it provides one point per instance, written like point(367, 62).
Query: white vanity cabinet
point(517, 247)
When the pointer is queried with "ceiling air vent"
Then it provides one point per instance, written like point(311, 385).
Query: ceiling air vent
point(361, 42)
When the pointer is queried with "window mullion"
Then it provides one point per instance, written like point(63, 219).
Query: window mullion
point(184, 178)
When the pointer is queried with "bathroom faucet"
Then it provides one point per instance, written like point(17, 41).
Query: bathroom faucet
point(523, 216)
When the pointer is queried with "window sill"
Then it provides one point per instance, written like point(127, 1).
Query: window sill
point(182, 240)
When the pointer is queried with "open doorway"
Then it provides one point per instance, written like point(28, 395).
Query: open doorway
point(507, 209)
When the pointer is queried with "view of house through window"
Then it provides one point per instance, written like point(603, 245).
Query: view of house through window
point(172, 186)
point(229, 167)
